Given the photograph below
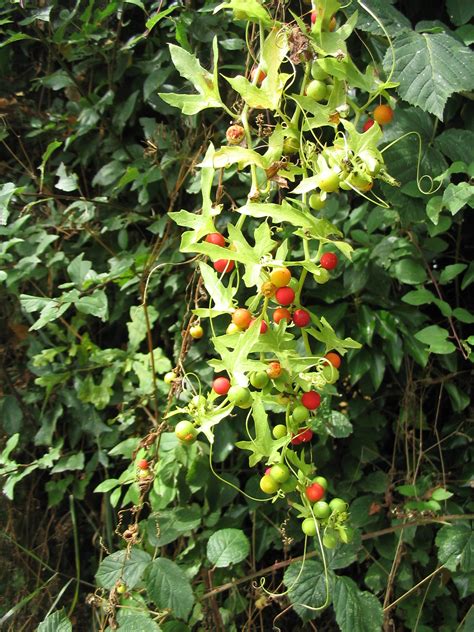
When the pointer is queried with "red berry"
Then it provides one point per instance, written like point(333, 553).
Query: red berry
point(216, 238)
point(301, 318)
point(329, 260)
point(263, 325)
point(368, 124)
point(306, 435)
point(285, 295)
point(314, 492)
point(314, 15)
point(223, 265)
point(281, 313)
point(143, 464)
point(295, 439)
point(221, 385)
point(311, 400)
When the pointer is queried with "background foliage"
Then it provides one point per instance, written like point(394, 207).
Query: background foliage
point(92, 161)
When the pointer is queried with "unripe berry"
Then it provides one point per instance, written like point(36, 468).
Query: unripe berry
point(274, 370)
point(170, 377)
point(285, 295)
point(268, 485)
point(235, 134)
point(196, 332)
point(329, 260)
point(185, 431)
point(280, 277)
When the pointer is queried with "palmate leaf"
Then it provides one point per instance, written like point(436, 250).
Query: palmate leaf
point(328, 336)
point(263, 445)
point(218, 292)
point(268, 96)
point(429, 68)
point(226, 156)
point(250, 10)
point(205, 83)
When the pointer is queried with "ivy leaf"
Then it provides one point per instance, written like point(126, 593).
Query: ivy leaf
point(338, 425)
point(429, 68)
point(456, 547)
point(205, 83)
point(279, 213)
point(168, 587)
point(227, 546)
point(436, 338)
point(356, 610)
point(457, 144)
point(307, 586)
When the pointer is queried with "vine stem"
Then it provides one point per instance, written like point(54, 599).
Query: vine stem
point(366, 536)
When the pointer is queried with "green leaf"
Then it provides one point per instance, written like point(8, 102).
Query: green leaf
point(463, 315)
point(226, 547)
point(79, 269)
point(205, 83)
point(451, 272)
point(460, 11)
point(356, 610)
point(263, 445)
point(66, 182)
point(409, 271)
point(441, 494)
point(307, 586)
point(173, 523)
point(168, 587)
point(127, 566)
point(338, 425)
point(436, 338)
point(7, 190)
point(72, 462)
point(55, 622)
point(137, 326)
point(218, 292)
point(418, 297)
point(456, 196)
point(456, 547)
point(95, 304)
point(457, 144)
point(429, 68)
point(130, 621)
point(106, 486)
point(250, 10)
point(159, 15)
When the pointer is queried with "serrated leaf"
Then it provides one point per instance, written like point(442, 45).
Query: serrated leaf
point(308, 587)
point(457, 144)
point(456, 547)
point(226, 547)
point(168, 587)
point(122, 565)
point(55, 622)
point(456, 196)
point(429, 68)
point(356, 610)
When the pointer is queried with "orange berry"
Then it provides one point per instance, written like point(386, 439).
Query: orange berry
point(334, 359)
point(383, 114)
point(280, 277)
point(281, 313)
point(274, 370)
point(242, 318)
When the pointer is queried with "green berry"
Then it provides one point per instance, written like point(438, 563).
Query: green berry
point(321, 510)
point(300, 414)
point(308, 527)
point(279, 431)
point(321, 276)
point(322, 481)
point(317, 90)
point(268, 485)
point(280, 473)
point(239, 396)
point(329, 540)
point(259, 379)
point(315, 202)
point(338, 505)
